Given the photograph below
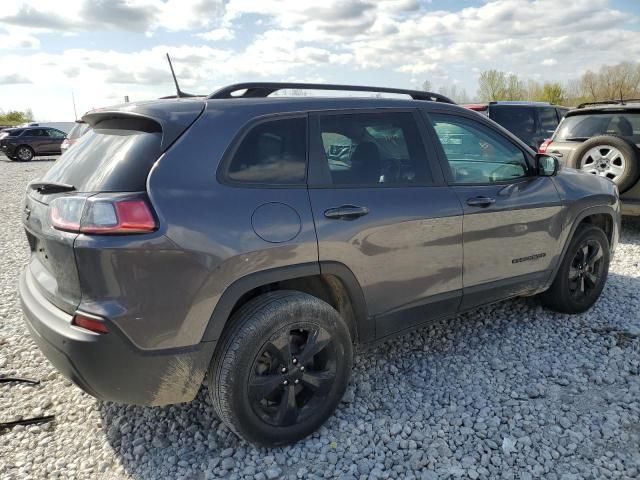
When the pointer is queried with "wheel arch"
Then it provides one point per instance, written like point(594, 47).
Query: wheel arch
point(601, 216)
point(332, 282)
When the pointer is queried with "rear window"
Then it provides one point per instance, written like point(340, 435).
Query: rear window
point(581, 127)
point(115, 156)
point(273, 152)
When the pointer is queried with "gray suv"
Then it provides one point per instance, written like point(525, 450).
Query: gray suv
point(603, 138)
point(254, 241)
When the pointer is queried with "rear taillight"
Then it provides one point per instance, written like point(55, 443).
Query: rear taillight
point(544, 145)
point(91, 323)
point(103, 215)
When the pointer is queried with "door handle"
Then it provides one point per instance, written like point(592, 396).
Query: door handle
point(481, 201)
point(346, 212)
point(556, 153)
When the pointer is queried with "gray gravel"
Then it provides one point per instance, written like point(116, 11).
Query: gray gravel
point(511, 391)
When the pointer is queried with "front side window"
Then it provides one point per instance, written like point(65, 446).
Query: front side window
point(373, 149)
point(55, 133)
point(477, 154)
point(273, 152)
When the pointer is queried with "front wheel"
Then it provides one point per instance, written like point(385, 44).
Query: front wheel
point(281, 368)
point(582, 273)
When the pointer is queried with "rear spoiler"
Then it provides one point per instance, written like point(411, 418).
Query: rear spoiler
point(172, 118)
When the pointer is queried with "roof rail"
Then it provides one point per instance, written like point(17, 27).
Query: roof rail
point(603, 102)
point(264, 89)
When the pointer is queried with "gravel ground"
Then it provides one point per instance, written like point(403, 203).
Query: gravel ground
point(509, 391)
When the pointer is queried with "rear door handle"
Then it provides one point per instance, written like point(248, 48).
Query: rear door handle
point(346, 212)
point(481, 201)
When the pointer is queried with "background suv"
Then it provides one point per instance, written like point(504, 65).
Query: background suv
point(79, 129)
point(26, 143)
point(257, 239)
point(603, 139)
point(531, 122)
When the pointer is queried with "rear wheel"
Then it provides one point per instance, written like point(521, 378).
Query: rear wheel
point(281, 368)
point(582, 273)
point(24, 153)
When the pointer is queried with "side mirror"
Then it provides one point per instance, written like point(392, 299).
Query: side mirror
point(547, 165)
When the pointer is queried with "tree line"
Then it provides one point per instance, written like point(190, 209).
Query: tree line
point(15, 117)
point(615, 82)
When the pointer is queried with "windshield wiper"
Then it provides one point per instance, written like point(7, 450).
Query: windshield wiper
point(576, 139)
point(51, 187)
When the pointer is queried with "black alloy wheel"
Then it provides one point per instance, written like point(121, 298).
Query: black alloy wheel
point(292, 376)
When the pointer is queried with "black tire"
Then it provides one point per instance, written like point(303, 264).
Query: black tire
point(248, 364)
point(24, 153)
point(574, 289)
point(631, 154)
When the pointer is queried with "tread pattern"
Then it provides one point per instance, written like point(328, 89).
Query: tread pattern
point(251, 322)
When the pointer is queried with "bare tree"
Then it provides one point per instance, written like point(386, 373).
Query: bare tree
point(426, 86)
point(455, 92)
point(492, 85)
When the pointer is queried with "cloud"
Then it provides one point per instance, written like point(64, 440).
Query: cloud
point(217, 34)
point(105, 15)
point(385, 42)
point(13, 79)
point(117, 14)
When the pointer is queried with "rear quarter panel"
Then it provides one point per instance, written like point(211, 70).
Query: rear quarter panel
point(205, 241)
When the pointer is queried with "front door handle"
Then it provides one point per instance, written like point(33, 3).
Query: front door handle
point(481, 201)
point(346, 212)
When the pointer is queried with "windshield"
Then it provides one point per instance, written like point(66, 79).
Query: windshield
point(580, 127)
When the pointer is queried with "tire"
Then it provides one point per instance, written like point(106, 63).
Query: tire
point(565, 294)
point(246, 378)
point(629, 163)
point(24, 153)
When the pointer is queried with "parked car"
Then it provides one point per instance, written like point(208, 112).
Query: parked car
point(531, 122)
point(25, 143)
point(78, 130)
point(603, 139)
point(259, 256)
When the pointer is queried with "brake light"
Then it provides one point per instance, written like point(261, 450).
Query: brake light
point(89, 323)
point(545, 145)
point(103, 215)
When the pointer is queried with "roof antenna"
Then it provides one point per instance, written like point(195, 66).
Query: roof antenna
point(179, 93)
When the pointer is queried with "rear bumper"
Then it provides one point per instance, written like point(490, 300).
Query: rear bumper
point(108, 366)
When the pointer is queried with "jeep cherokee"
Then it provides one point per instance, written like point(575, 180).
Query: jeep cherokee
point(254, 241)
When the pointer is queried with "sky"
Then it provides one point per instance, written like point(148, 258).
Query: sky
point(98, 51)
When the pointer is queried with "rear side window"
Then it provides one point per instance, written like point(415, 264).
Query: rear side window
point(374, 149)
point(518, 120)
point(15, 133)
point(273, 152)
point(78, 130)
point(115, 156)
point(582, 127)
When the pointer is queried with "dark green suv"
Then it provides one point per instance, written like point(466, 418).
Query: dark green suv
point(256, 240)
